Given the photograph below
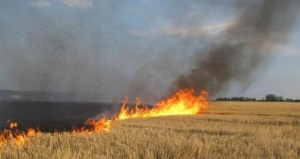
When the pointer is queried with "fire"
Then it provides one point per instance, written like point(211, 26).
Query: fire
point(91, 125)
point(183, 102)
point(99, 125)
point(32, 132)
point(13, 125)
point(20, 138)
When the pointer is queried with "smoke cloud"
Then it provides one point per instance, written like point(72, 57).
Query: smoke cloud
point(39, 52)
point(102, 52)
point(242, 49)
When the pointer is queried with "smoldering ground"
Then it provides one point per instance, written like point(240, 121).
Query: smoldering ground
point(53, 116)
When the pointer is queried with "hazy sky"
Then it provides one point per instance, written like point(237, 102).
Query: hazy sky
point(113, 48)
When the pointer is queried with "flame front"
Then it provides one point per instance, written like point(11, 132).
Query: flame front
point(183, 102)
point(20, 138)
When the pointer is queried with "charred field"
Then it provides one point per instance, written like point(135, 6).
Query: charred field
point(53, 116)
point(224, 130)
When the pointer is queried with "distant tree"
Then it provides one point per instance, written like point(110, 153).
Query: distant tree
point(289, 100)
point(222, 99)
point(235, 99)
point(297, 100)
point(241, 99)
point(280, 98)
point(271, 97)
point(263, 99)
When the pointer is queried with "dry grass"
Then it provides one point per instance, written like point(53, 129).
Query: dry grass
point(226, 130)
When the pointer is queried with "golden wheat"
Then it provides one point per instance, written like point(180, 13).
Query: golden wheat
point(225, 130)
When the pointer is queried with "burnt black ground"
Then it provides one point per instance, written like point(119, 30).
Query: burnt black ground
point(52, 116)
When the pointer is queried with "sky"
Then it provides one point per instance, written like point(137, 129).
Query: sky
point(109, 49)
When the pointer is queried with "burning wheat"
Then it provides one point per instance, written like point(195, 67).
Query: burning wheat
point(183, 102)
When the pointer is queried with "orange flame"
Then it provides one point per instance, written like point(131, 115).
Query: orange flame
point(13, 134)
point(30, 132)
point(20, 140)
point(13, 125)
point(183, 102)
point(91, 125)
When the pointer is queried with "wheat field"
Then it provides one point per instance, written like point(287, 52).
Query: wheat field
point(225, 130)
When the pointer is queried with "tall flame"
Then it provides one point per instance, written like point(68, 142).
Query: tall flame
point(183, 102)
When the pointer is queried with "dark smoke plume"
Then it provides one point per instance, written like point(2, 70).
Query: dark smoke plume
point(94, 55)
point(243, 48)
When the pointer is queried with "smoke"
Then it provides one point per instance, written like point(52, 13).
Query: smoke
point(39, 52)
point(99, 50)
point(242, 49)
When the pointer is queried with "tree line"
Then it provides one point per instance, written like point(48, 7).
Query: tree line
point(267, 98)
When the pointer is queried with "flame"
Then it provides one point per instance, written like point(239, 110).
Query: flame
point(183, 102)
point(92, 125)
point(99, 125)
point(32, 132)
point(13, 125)
point(20, 138)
